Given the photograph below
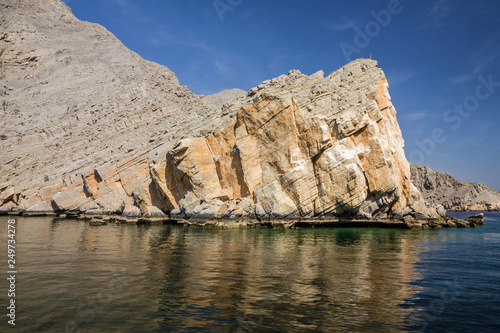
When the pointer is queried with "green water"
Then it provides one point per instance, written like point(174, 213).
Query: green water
point(74, 277)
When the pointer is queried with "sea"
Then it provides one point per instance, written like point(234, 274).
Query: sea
point(71, 276)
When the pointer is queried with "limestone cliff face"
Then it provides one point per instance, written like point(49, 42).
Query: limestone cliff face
point(440, 188)
point(298, 145)
point(92, 127)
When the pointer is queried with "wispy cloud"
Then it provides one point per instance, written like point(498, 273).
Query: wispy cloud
point(162, 37)
point(346, 23)
point(417, 115)
point(439, 8)
point(399, 77)
point(222, 62)
point(438, 14)
point(489, 52)
point(134, 13)
point(479, 61)
point(467, 77)
point(222, 67)
point(126, 6)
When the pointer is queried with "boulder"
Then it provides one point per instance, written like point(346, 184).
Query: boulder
point(476, 219)
point(132, 211)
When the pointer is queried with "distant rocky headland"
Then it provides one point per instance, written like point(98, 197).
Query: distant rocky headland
point(92, 129)
point(440, 188)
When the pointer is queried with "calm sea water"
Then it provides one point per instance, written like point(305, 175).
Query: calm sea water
point(74, 277)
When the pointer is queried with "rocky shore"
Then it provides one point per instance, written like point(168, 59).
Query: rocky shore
point(280, 224)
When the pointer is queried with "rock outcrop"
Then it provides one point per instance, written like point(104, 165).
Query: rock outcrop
point(298, 145)
point(440, 188)
point(91, 127)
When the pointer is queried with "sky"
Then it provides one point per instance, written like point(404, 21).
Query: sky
point(441, 59)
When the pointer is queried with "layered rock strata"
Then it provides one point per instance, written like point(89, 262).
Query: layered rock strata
point(440, 188)
point(91, 127)
point(74, 99)
point(298, 146)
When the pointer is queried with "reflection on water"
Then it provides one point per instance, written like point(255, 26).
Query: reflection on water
point(293, 280)
point(74, 276)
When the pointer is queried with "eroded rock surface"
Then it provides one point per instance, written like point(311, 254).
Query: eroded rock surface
point(91, 127)
point(440, 188)
point(74, 100)
point(299, 146)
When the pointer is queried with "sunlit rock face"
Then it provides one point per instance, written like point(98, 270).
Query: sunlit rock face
point(91, 127)
point(298, 145)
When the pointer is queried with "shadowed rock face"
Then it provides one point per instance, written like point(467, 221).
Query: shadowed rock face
point(92, 127)
point(440, 188)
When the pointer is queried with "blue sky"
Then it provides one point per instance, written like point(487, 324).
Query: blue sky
point(441, 58)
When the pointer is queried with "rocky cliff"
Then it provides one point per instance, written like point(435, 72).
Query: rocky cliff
point(75, 99)
point(89, 126)
point(440, 188)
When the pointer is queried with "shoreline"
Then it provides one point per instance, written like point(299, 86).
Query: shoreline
point(273, 223)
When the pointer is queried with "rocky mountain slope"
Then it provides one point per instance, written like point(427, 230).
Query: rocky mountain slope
point(74, 98)
point(89, 126)
point(222, 97)
point(442, 189)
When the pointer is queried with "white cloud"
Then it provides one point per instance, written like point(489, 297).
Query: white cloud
point(417, 115)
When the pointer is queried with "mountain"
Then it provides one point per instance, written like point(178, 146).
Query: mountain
point(222, 97)
point(91, 127)
point(75, 98)
point(440, 188)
